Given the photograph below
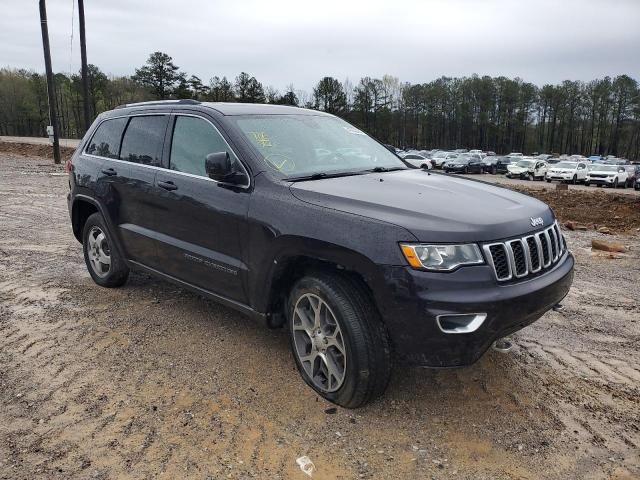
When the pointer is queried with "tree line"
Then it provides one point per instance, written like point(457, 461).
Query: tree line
point(601, 116)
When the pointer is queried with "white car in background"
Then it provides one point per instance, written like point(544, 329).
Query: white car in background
point(610, 175)
point(440, 158)
point(527, 168)
point(417, 160)
point(566, 171)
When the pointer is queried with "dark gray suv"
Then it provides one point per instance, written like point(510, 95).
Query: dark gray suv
point(298, 219)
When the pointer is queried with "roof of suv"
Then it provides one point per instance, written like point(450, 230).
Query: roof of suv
point(230, 108)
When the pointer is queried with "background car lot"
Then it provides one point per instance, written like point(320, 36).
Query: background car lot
point(503, 180)
point(152, 380)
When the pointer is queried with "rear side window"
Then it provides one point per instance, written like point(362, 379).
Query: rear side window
point(194, 139)
point(106, 141)
point(143, 140)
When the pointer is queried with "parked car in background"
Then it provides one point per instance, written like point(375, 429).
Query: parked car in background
point(515, 154)
point(496, 165)
point(417, 160)
point(613, 176)
point(596, 158)
point(633, 173)
point(440, 158)
point(466, 164)
point(616, 161)
point(527, 168)
point(565, 171)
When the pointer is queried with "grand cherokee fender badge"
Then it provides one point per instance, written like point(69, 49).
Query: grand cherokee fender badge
point(537, 221)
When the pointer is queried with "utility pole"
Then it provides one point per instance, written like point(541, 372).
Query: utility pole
point(83, 55)
point(50, 91)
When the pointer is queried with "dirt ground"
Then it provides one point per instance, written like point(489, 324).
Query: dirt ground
point(151, 381)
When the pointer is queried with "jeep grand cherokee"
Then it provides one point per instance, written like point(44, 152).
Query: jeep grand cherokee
point(297, 218)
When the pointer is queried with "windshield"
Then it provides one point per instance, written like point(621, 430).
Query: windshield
point(606, 168)
point(524, 163)
point(460, 161)
point(566, 165)
point(300, 145)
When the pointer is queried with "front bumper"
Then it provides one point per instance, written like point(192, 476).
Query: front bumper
point(560, 176)
point(412, 300)
point(601, 180)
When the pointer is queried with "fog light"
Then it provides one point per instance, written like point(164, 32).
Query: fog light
point(460, 322)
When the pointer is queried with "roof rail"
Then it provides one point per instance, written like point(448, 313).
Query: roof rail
point(185, 101)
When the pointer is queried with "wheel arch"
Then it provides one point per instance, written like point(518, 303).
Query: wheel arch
point(82, 208)
point(290, 263)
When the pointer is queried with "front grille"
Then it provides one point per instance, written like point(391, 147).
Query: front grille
point(526, 256)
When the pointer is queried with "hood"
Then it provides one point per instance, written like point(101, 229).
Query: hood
point(562, 170)
point(516, 168)
point(433, 207)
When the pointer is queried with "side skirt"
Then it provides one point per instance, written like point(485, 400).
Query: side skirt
point(238, 306)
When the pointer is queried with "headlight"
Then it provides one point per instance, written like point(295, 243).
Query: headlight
point(441, 258)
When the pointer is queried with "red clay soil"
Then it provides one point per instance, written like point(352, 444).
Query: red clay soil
point(45, 151)
point(597, 208)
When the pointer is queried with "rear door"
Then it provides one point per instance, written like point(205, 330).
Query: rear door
point(133, 205)
point(204, 229)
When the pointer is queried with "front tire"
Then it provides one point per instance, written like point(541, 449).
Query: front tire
point(105, 265)
point(339, 343)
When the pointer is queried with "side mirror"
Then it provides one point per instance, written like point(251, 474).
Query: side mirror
point(219, 168)
point(621, 170)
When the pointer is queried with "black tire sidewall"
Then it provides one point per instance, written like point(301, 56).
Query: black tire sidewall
point(351, 327)
point(119, 270)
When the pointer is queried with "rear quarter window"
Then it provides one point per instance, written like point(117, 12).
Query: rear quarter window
point(106, 139)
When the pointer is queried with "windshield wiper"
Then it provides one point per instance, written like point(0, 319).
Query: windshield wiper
point(385, 169)
point(321, 175)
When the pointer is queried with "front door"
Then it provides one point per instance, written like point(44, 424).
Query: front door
point(203, 222)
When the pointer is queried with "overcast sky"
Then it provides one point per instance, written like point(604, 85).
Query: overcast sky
point(297, 41)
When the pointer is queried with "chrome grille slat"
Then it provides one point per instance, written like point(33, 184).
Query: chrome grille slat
point(521, 257)
point(546, 247)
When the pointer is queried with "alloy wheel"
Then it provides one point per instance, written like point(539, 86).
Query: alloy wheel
point(99, 252)
point(319, 344)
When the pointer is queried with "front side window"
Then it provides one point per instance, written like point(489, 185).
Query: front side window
point(312, 144)
point(193, 139)
point(143, 140)
point(106, 141)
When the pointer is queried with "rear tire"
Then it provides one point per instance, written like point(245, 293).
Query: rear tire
point(325, 306)
point(105, 265)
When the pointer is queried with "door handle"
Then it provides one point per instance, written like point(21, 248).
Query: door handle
point(168, 185)
point(109, 172)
